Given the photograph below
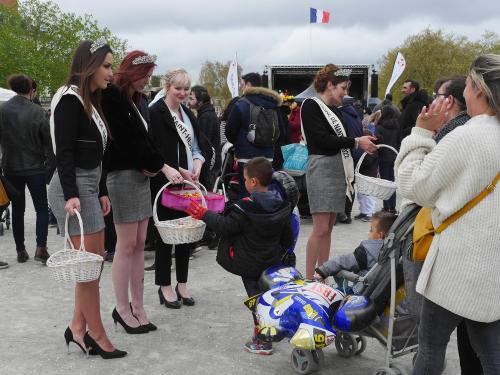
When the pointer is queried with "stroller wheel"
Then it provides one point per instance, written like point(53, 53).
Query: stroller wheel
point(346, 344)
point(361, 345)
point(306, 361)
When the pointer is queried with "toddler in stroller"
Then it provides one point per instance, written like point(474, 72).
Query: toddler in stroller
point(363, 258)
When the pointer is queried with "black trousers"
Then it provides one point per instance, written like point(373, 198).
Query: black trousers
point(469, 361)
point(163, 262)
point(386, 170)
point(252, 289)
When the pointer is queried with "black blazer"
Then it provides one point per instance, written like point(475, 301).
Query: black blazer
point(78, 144)
point(130, 146)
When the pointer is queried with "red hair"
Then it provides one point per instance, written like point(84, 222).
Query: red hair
point(128, 73)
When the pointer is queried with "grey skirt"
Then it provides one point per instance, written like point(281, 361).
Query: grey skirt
point(130, 196)
point(87, 182)
point(326, 185)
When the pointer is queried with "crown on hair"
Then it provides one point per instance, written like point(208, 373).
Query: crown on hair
point(145, 59)
point(99, 43)
point(343, 72)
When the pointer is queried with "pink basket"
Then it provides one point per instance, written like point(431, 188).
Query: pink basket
point(179, 199)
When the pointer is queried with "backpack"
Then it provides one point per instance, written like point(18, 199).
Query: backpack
point(263, 129)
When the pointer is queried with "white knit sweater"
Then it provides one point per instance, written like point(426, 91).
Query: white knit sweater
point(462, 270)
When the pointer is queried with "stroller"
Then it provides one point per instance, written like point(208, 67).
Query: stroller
point(392, 279)
point(4, 218)
point(7, 192)
point(227, 181)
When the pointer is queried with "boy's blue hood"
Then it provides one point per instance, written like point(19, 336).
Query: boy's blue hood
point(270, 201)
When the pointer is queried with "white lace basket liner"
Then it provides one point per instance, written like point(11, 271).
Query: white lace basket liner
point(179, 231)
point(376, 187)
point(75, 265)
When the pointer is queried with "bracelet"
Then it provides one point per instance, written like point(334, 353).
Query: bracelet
point(356, 143)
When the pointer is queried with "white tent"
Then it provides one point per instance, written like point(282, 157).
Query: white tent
point(6, 94)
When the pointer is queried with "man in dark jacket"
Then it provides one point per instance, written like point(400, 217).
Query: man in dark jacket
point(237, 127)
point(26, 154)
point(256, 232)
point(412, 103)
point(199, 99)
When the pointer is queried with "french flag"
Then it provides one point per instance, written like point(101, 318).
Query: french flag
point(319, 16)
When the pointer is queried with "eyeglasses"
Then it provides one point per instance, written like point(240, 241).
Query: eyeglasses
point(438, 95)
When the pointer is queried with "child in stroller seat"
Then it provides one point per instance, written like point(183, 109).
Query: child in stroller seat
point(363, 257)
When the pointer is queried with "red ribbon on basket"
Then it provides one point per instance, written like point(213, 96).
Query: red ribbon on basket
point(196, 210)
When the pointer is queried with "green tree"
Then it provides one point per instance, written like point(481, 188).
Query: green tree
point(213, 75)
point(433, 54)
point(155, 81)
point(39, 39)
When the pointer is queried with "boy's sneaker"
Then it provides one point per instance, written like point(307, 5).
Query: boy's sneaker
point(360, 216)
point(3, 265)
point(259, 347)
point(366, 218)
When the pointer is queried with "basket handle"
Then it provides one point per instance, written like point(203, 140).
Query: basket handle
point(364, 154)
point(66, 234)
point(155, 211)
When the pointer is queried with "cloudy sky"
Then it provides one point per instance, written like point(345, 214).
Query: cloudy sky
point(187, 33)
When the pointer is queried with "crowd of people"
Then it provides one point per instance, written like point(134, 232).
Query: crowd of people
point(113, 150)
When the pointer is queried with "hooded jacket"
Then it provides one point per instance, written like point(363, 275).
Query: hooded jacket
point(411, 104)
point(209, 125)
point(239, 119)
point(353, 128)
point(255, 233)
point(387, 132)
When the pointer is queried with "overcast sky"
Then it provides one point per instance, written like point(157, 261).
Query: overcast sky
point(187, 33)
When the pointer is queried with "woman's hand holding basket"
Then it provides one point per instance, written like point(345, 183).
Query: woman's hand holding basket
point(366, 144)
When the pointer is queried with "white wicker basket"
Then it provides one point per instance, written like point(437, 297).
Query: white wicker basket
point(75, 265)
point(179, 231)
point(375, 187)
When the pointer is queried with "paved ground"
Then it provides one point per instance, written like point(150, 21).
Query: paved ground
point(204, 339)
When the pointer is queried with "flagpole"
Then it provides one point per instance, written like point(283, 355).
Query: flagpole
point(310, 42)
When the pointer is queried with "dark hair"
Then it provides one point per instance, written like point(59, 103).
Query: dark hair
point(261, 169)
point(453, 85)
point(384, 220)
point(253, 78)
point(413, 84)
point(128, 73)
point(388, 97)
point(201, 94)
point(84, 65)
point(327, 74)
point(33, 85)
point(20, 83)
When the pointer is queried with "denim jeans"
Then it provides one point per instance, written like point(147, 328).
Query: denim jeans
point(38, 190)
point(436, 326)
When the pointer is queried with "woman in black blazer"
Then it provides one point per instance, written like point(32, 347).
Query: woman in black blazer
point(130, 159)
point(186, 151)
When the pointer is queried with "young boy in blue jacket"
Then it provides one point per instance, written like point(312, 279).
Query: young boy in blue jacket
point(255, 233)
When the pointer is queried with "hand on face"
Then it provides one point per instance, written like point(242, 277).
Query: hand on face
point(433, 117)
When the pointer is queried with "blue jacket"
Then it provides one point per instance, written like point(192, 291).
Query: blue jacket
point(354, 128)
point(239, 119)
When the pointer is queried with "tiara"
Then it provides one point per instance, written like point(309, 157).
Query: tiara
point(343, 72)
point(145, 59)
point(99, 43)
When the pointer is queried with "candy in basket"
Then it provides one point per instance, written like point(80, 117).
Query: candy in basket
point(179, 199)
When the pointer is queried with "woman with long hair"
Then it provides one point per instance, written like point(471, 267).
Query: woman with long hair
point(459, 278)
point(330, 169)
point(177, 137)
point(131, 158)
point(79, 136)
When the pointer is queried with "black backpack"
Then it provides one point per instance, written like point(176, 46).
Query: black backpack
point(263, 129)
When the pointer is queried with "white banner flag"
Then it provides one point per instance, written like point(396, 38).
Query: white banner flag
point(399, 67)
point(232, 78)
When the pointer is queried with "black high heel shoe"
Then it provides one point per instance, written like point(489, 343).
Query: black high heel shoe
point(68, 336)
point(150, 326)
point(130, 330)
point(90, 343)
point(166, 302)
point(185, 301)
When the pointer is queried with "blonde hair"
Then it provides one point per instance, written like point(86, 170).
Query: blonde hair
point(485, 75)
point(177, 75)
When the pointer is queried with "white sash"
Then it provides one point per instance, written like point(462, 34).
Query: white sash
point(184, 132)
point(140, 115)
point(339, 130)
point(73, 90)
